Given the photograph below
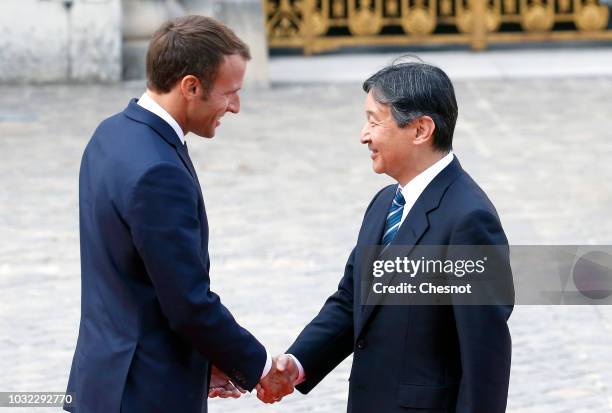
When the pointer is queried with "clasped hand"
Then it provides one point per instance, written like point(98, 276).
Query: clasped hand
point(222, 386)
point(279, 381)
point(272, 388)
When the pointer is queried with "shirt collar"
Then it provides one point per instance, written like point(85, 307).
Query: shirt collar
point(149, 104)
point(413, 189)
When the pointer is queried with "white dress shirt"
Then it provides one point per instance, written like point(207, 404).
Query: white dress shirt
point(411, 192)
point(413, 189)
point(149, 104)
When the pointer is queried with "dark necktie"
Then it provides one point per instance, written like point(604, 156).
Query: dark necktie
point(189, 164)
point(394, 217)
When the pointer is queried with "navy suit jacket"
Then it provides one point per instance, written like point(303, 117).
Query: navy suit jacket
point(150, 326)
point(416, 358)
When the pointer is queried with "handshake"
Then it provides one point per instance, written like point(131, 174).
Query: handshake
point(272, 388)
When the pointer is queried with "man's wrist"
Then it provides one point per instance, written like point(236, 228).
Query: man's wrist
point(267, 366)
point(302, 375)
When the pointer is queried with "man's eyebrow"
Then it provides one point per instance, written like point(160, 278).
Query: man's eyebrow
point(371, 114)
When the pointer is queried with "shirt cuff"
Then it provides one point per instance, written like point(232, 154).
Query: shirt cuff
point(302, 376)
point(268, 365)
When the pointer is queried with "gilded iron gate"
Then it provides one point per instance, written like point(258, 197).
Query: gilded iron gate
point(319, 25)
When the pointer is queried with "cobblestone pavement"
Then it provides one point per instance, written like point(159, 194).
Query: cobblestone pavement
point(540, 148)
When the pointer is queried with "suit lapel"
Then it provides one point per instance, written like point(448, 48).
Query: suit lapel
point(370, 236)
point(184, 155)
point(408, 235)
point(413, 228)
point(140, 114)
point(372, 231)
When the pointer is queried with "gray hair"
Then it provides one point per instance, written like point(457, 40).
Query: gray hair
point(414, 89)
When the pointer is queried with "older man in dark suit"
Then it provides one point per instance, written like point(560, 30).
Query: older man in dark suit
point(412, 358)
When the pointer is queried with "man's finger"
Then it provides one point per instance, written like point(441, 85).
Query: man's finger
point(232, 390)
point(262, 396)
point(226, 393)
point(265, 397)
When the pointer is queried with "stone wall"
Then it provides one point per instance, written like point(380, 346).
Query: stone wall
point(106, 40)
point(246, 18)
point(142, 17)
point(57, 40)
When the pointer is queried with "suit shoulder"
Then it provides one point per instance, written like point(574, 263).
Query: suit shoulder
point(387, 188)
point(119, 125)
point(383, 190)
point(472, 214)
point(124, 140)
point(467, 197)
point(111, 124)
point(122, 151)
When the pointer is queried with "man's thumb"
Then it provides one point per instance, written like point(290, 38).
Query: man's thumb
point(281, 363)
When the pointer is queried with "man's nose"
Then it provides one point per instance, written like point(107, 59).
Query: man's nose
point(365, 135)
point(234, 104)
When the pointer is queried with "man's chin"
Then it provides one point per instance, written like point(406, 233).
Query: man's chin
point(207, 135)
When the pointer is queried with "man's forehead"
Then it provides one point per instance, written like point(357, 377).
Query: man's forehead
point(372, 106)
point(231, 73)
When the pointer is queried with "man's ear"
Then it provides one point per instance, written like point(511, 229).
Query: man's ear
point(191, 87)
point(425, 128)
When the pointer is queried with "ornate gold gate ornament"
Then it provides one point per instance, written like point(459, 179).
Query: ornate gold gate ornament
point(318, 25)
point(364, 21)
point(419, 18)
point(538, 17)
point(592, 17)
point(492, 18)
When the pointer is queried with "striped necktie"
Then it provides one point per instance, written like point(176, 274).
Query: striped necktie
point(394, 217)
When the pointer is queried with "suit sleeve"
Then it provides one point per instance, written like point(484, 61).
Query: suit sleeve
point(166, 230)
point(484, 338)
point(328, 338)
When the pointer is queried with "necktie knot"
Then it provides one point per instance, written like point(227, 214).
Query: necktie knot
point(399, 198)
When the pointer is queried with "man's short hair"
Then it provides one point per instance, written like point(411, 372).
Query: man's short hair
point(190, 45)
point(414, 89)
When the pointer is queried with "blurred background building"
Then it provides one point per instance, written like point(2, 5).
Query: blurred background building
point(106, 40)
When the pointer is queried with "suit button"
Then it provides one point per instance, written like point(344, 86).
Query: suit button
point(361, 344)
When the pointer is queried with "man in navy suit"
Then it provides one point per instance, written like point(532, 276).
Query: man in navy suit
point(412, 358)
point(151, 329)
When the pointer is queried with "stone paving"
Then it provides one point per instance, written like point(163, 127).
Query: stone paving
point(500, 61)
point(286, 183)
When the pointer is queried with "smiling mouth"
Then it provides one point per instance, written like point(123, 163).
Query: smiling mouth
point(373, 153)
